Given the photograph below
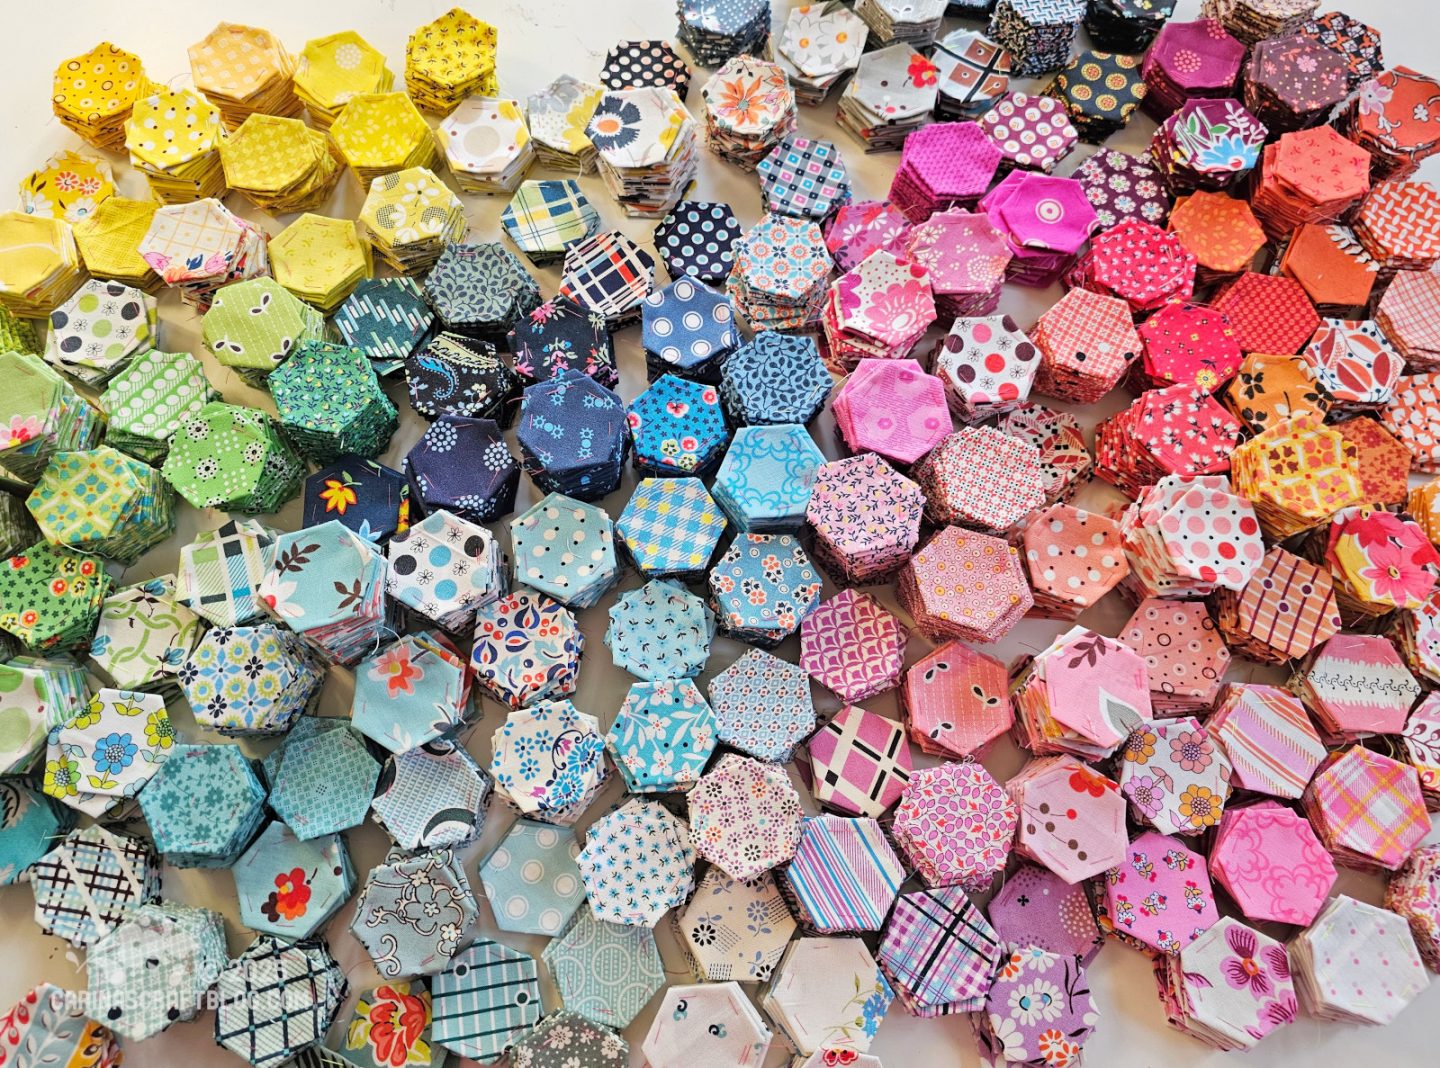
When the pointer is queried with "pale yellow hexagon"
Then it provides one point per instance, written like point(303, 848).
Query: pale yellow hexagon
point(237, 61)
point(39, 263)
point(320, 259)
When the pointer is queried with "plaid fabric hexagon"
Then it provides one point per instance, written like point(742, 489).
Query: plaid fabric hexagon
point(545, 218)
point(260, 990)
point(670, 527)
point(939, 950)
point(860, 762)
point(91, 882)
point(1366, 808)
point(220, 572)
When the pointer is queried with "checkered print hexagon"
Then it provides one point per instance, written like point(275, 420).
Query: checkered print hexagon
point(277, 999)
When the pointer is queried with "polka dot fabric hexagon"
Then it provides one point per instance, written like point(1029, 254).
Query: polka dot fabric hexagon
point(698, 238)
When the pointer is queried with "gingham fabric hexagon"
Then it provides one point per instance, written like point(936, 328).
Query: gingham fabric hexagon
point(670, 527)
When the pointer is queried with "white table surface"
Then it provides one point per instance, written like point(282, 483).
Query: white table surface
point(540, 39)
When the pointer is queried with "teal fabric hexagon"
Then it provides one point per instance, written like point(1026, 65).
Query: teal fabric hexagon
point(321, 778)
point(432, 796)
point(662, 737)
point(411, 692)
point(765, 480)
point(203, 805)
point(660, 631)
point(606, 972)
point(532, 880)
point(290, 888)
point(487, 998)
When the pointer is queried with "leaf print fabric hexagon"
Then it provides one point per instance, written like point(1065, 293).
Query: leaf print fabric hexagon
point(662, 737)
point(527, 648)
point(955, 824)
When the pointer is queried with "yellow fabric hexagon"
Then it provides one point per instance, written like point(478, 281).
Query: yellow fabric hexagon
point(94, 92)
point(378, 133)
point(332, 70)
point(320, 260)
